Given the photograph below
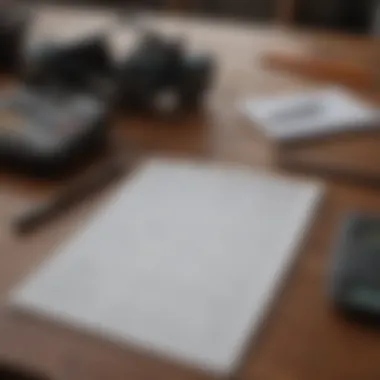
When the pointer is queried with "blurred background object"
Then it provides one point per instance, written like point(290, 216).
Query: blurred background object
point(348, 15)
point(356, 16)
point(13, 27)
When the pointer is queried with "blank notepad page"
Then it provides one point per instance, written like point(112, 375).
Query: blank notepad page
point(183, 262)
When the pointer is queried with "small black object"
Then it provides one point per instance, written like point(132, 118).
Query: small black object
point(72, 196)
point(13, 372)
point(158, 66)
point(356, 270)
point(13, 28)
point(81, 65)
point(47, 135)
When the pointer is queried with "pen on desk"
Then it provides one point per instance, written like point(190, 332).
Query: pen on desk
point(77, 193)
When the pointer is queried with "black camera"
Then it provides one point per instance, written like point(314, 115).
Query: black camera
point(83, 65)
point(160, 66)
point(156, 68)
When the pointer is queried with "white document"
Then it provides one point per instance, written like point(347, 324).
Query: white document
point(184, 262)
point(310, 114)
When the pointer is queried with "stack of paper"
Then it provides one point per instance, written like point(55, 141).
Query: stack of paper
point(310, 114)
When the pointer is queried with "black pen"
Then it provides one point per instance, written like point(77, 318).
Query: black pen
point(70, 197)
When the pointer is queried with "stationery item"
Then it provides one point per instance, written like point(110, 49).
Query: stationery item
point(310, 115)
point(70, 197)
point(184, 262)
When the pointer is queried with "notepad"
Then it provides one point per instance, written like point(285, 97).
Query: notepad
point(309, 115)
point(184, 262)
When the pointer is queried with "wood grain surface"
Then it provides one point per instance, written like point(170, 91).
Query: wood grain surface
point(303, 338)
point(352, 159)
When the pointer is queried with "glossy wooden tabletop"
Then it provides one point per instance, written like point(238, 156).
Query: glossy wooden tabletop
point(303, 338)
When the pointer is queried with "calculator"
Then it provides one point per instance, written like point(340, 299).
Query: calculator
point(355, 276)
point(47, 134)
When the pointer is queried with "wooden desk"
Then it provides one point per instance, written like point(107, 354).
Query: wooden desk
point(303, 338)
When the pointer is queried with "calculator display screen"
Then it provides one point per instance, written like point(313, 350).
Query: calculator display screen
point(368, 233)
point(365, 297)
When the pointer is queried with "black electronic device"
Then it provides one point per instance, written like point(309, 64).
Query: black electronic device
point(159, 66)
point(80, 65)
point(11, 371)
point(46, 135)
point(13, 28)
point(356, 271)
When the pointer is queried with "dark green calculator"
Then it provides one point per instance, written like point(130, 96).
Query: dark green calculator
point(355, 276)
point(47, 134)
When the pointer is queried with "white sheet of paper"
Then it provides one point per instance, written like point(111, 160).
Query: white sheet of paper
point(310, 114)
point(184, 261)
